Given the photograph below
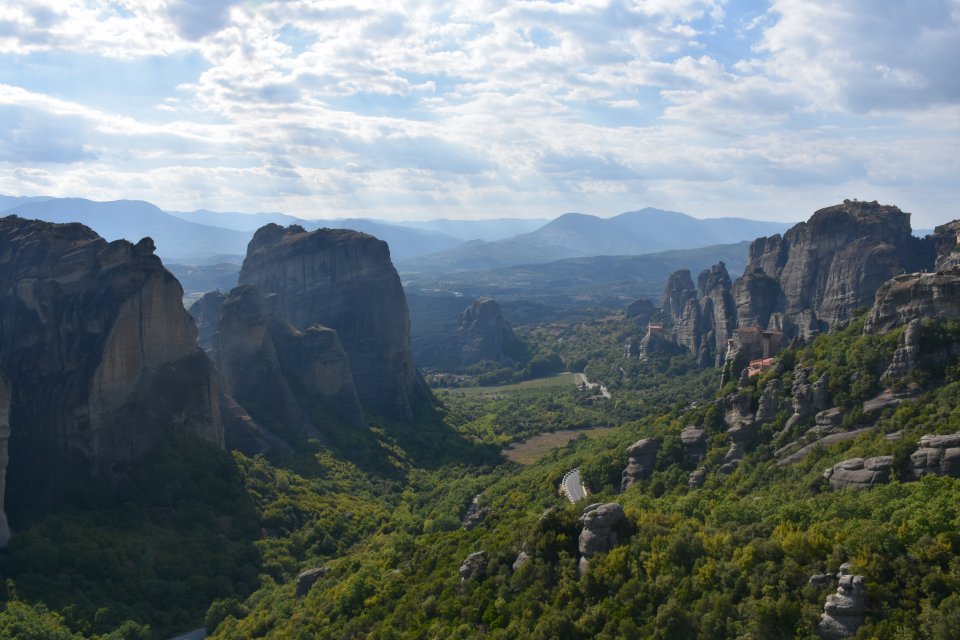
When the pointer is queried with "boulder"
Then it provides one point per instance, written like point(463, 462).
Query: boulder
point(598, 534)
point(343, 280)
point(473, 566)
point(642, 456)
point(694, 441)
point(308, 578)
point(101, 358)
point(937, 455)
point(522, 559)
point(696, 478)
point(843, 612)
point(859, 473)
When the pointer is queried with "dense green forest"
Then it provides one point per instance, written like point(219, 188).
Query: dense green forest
point(201, 537)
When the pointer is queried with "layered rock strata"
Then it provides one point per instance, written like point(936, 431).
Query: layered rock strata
point(641, 457)
point(101, 358)
point(937, 455)
point(599, 530)
point(843, 612)
point(859, 473)
point(343, 280)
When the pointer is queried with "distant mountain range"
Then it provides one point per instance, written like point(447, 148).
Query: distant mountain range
point(574, 235)
point(202, 238)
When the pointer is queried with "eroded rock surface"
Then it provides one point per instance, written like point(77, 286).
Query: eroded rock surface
point(859, 473)
point(101, 358)
point(343, 280)
point(285, 378)
point(4, 456)
point(694, 441)
point(206, 313)
point(473, 566)
point(484, 334)
point(642, 456)
point(937, 455)
point(598, 534)
point(640, 311)
point(843, 612)
point(912, 296)
point(308, 578)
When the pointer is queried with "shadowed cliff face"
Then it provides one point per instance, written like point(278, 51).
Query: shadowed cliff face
point(285, 378)
point(484, 334)
point(100, 354)
point(343, 280)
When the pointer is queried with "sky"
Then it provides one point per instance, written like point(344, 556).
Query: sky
point(477, 109)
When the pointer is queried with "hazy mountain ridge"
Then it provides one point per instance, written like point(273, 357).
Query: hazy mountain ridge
point(575, 235)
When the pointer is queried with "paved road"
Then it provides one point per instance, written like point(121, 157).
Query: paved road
point(572, 486)
point(196, 634)
point(591, 385)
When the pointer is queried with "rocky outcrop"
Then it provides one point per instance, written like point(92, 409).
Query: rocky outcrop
point(475, 514)
point(771, 402)
point(937, 455)
point(678, 291)
point(697, 477)
point(946, 239)
point(642, 455)
point(101, 358)
point(829, 266)
point(307, 579)
point(755, 295)
point(640, 311)
point(206, 313)
point(915, 295)
point(484, 334)
point(905, 357)
point(694, 441)
point(343, 280)
point(522, 559)
point(4, 456)
point(290, 381)
point(473, 566)
point(808, 399)
point(599, 530)
point(859, 473)
point(704, 317)
point(843, 612)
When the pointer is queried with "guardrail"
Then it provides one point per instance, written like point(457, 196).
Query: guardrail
point(563, 484)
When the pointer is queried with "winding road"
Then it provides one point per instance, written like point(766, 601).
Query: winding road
point(572, 486)
point(591, 385)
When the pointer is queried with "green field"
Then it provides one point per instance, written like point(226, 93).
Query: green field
point(558, 380)
point(533, 448)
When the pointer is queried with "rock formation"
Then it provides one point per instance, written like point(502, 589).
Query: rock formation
point(741, 427)
point(859, 473)
point(101, 358)
point(702, 318)
point(915, 295)
point(640, 311)
point(290, 381)
point(694, 441)
point(4, 456)
point(473, 566)
point(843, 613)
point(343, 280)
point(206, 313)
point(829, 266)
point(522, 559)
point(484, 334)
point(905, 357)
point(598, 534)
point(307, 579)
point(697, 477)
point(642, 455)
point(678, 291)
point(771, 401)
point(938, 455)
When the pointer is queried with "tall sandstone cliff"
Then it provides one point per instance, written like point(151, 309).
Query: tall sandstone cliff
point(484, 334)
point(100, 355)
point(343, 280)
point(814, 277)
point(821, 271)
point(288, 380)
